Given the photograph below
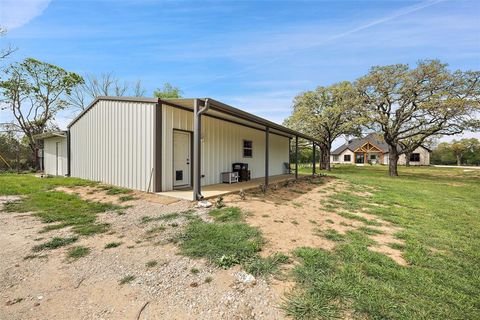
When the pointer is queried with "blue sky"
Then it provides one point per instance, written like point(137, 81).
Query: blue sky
point(256, 55)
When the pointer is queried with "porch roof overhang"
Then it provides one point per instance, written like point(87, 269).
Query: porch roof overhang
point(226, 112)
point(51, 134)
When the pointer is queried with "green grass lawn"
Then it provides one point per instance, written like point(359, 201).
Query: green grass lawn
point(58, 209)
point(439, 211)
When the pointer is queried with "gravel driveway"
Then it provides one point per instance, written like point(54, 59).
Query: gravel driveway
point(50, 286)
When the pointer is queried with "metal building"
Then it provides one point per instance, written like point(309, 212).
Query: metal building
point(160, 145)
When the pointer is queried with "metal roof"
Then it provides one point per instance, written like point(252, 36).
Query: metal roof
point(51, 134)
point(217, 109)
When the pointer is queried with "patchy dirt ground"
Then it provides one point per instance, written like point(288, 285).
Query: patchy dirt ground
point(296, 216)
point(50, 285)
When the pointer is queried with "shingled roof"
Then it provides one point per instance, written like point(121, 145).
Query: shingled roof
point(352, 145)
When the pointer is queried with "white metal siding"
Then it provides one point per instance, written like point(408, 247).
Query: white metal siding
point(114, 143)
point(50, 156)
point(222, 145)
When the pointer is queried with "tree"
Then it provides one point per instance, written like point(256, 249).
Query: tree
point(8, 50)
point(104, 85)
point(168, 91)
point(34, 92)
point(326, 115)
point(410, 106)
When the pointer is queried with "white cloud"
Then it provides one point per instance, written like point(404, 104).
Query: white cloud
point(16, 13)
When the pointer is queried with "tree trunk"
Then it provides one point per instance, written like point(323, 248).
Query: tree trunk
point(392, 160)
point(322, 158)
point(327, 159)
point(459, 160)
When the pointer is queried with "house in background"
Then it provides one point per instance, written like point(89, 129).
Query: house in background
point(160, 145)
point(373, 149)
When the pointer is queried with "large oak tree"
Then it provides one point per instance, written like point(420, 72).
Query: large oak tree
point(326, 114)
point(34, 92)
point(410, 106)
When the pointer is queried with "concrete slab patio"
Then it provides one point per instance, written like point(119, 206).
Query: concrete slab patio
point(215, 190)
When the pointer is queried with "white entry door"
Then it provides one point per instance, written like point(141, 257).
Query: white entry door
point(58, 159)
point(181, 158)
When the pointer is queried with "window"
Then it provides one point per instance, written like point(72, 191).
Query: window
point(247, 148)
point(347, 158)
point(415, 157)
point(373, 157)
point(335, 158)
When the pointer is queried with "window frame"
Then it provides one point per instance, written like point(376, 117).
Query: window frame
point(414, 159)
point(349, 158)
point(244, 148)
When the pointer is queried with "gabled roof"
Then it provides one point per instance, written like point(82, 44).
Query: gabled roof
point(374, 139)
point(50, 134)
point(354, 144)
point(216, 106)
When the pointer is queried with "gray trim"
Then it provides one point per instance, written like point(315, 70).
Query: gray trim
point(222, 119)
point(214, 105)
point(158, 134)
point(296, 157)
point(68, 154)
point(267, 131)
point(219, 106)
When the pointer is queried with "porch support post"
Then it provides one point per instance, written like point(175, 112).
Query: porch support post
point(197, 128)
point(267, 133)
point(313, 158)
point(296, 157)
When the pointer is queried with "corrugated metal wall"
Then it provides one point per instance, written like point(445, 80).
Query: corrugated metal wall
point(222, 144)
point(114, 143)
point(50, 156)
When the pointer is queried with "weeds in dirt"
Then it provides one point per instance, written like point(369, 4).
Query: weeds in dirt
point(219, 203)
point(78, 252)
point(259, 266)
point(112, 190)
point(370, 231)
point(194, 271)
point(55, 243)
point(126, 279)
point(357, 217)
point(112, 245)
point(226, 214)
point(64, 209)
point(226, 242)
point(165, 217)
point(157, 229)
point(330, 234)
point(127, 198)
point(151, 263)
point(208, 279)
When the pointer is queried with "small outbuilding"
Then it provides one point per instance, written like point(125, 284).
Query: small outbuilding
point(159, 145)
point(54, 158)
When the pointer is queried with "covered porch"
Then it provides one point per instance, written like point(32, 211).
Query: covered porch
point(216, 110)
point(215, 190)
point(368, 153)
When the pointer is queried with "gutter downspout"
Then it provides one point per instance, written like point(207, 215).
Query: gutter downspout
point(197, 136)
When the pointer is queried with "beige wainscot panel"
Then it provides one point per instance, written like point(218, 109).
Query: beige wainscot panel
point(55, 156)
point(222, 145)
point(113, 142)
